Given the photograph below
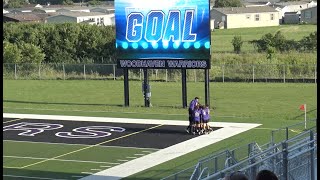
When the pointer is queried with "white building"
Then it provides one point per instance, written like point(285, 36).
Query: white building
point(83, 17)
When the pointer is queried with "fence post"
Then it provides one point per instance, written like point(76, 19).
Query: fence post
point(315, 73)
point(39, 71)
point(84, 71)
point(287, 133)
point(253, 73)
point(284, 73)
point(15, 71)
point(114, 72)
point(223, 73)
point(166, 75)
point(285, 160)
point(195, 75)
point(140, 74)
point(64, 72)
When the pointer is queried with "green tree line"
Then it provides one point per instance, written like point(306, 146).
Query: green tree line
point(58, 43)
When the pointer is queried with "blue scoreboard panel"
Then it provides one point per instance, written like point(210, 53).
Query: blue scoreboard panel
point(163, 34)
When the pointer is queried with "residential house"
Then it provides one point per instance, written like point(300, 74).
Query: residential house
point(309, 15)
point(23, 17)
point(106, 10)
point(291, 18)
point(82, 17)
point(292, 6)
point(240, 17)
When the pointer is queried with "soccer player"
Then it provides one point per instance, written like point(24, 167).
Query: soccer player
point(206, 118)
point(192, 105)
point(196, 119)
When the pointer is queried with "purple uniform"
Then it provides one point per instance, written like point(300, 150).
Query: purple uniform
point(205, 114)
point(193, 104)
point(196, 115)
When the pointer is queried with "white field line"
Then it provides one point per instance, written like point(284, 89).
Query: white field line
point(83, 145)
point(105, 166)
point(86, 172)
point(118, 120)
point(228, 129)
point(30, 177)
point(64, 160)
point(139, 154)
point(131, 157)
point(95, 169)
point(122, 160)
point(77, 176)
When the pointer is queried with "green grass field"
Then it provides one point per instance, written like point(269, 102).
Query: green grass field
point(274, 105)
point(221, 38)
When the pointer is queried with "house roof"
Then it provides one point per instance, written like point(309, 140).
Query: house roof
point(24, 16)
point(308, 8)
point(78, 14)
point(242, 10)
point(288, 3)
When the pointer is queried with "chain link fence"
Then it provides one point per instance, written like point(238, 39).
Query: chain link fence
point(219, 73)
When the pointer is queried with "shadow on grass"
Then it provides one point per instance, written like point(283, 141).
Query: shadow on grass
point(61, 103)
point(16, 173)
point(302, 115)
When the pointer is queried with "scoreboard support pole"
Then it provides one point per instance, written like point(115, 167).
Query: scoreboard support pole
point(146, 88)
point(206, 87)
point(126, 87)
point(184, 87)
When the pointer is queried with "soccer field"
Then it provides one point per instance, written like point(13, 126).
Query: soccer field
point(273, 105)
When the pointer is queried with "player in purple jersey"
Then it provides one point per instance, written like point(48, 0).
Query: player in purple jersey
point(206, 118)
point(196, 119)
point(192, 105)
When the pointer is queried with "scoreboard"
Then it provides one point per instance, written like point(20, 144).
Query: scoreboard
point(163, 34)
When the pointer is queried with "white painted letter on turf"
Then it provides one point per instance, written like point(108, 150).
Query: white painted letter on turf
point(31, 129)
point(90, 132)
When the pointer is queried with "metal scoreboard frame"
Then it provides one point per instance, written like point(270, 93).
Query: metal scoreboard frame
point(163, 34)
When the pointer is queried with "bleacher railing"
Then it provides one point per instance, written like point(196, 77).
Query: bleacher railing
point(293, 157)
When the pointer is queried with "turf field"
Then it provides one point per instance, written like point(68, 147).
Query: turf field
point(273, 105)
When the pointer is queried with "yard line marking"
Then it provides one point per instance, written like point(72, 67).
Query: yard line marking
point(123, 160)
point(96, 169)
point(155, 149)
point(86, 172)
point(147, 151)
point(106, 166)
point(131, 157)
point(139, 154)
point(70, 160)
point(77, 176)
point(12, 120)
point(91, 146)
point(30, 177)
point(11, 167)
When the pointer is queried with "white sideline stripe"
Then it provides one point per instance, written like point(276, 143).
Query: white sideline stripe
point(21, 157)
point(96, 169)
point(86, 172)
point(139, 154)
point(131, 157)
point(119, 120)
point(83, 145)
point(30, 177)
point(134, 166)
point(123, 160)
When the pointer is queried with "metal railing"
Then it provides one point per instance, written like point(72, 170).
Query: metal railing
point(293, 157)
point(220, 73)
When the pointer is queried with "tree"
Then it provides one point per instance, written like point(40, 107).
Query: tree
point(227, 3)
point(31, 53)
point(11, 53)
point(237, 44)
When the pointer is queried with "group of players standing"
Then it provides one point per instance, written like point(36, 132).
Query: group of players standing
point(199, 117)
